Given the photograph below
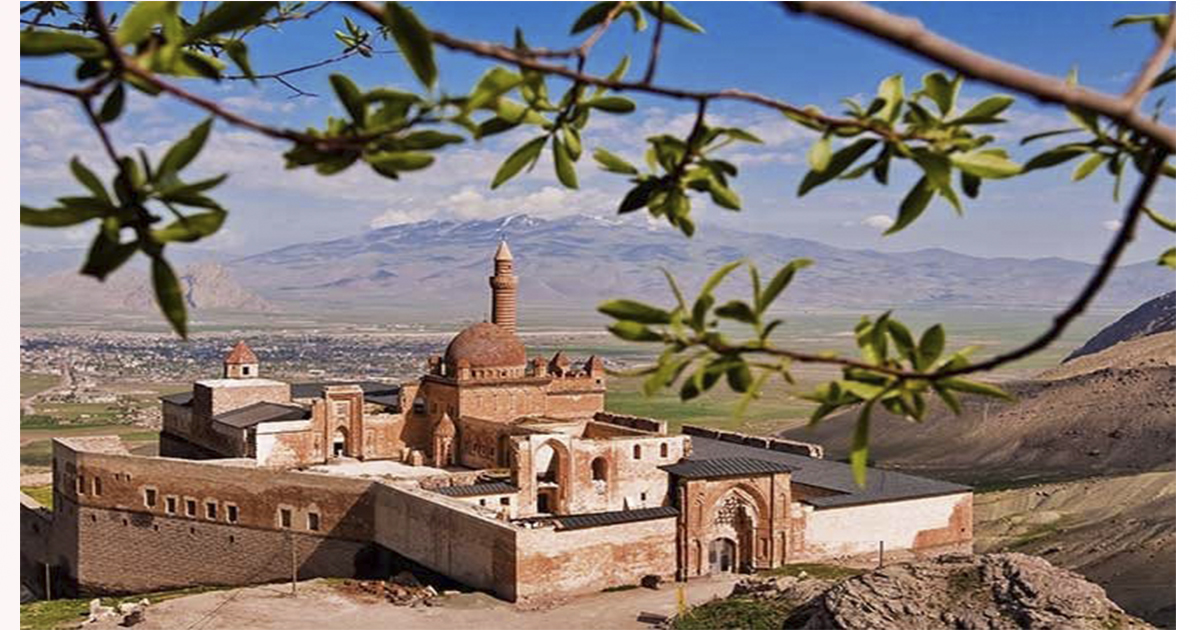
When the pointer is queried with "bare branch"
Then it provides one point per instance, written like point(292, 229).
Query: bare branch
point(1112, 256)
point(1153, 66)
point(911, 35)
point(654, 48)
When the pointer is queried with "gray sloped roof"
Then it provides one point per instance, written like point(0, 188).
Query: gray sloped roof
point(600, 519)
point(477, 489)
point(882, 485)
point(374, 392)
point(251, 415)
point(724, 467)
point(182, 398)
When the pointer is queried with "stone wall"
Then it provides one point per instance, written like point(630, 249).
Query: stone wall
point(554, 563)
point(931, 524)
point(35, 527)
point(449, 537)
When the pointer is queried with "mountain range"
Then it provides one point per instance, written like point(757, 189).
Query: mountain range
point(578, 261)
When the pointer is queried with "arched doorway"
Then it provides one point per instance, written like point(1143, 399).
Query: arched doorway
point(734, 521)
point(721, 556)
point(340, 436)
point(550, 466)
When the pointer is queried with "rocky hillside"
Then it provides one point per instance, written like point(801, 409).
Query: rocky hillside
point(1153, 317)
point(1116, 414)
point(443, 262)
point(1117, 531)
point(993, 591)
point(205, 286)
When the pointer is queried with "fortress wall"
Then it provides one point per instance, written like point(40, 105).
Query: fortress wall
point(35, 543)
point(928, 524)
point(556, 563)
point(448, 537)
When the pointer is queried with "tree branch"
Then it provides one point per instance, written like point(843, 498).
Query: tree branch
point(652, 64)
point(1153, 66)
point(1100, 276)
point(910, 35)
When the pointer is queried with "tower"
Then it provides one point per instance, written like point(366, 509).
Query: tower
point(504, 290)
point(241, 362)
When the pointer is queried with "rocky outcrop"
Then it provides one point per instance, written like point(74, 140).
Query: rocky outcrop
point(1152, 317)
point(992, 592)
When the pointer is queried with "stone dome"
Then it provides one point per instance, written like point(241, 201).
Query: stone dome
point(485, 345)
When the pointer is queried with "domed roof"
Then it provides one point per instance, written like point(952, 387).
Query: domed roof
point(486, 345)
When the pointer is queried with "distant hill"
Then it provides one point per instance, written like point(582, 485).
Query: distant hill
point(1155, 316)
point(1108, 413)
point(205, 286)
point(580, 261)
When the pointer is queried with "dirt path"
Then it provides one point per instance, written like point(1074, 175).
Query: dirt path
point(320, 605)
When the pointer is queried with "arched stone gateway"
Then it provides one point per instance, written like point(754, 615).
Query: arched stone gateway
point(735, 520)
point(340, 437)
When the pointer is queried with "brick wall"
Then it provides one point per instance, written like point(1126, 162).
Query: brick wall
point(554, 563)
point(929, 524)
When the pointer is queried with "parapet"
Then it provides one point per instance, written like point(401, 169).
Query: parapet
point(807, 449)
point(633, 422)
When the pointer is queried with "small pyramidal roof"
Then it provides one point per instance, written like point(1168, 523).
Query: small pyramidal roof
point(241, 353)
point(502, 252)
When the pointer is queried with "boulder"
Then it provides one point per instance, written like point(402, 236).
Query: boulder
point(981, 592)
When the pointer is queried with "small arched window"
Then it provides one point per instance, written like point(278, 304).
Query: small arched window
point(637, 451)
point(662, 450)
point(599, 469)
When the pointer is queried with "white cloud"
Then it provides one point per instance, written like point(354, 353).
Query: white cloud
point(1112, 225)
point(878, 221)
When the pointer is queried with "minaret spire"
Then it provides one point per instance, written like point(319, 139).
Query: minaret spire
point(504, 289)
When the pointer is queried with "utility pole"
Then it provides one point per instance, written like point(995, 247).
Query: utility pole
point(881, 554)
point(47, 565)
point(292, 537)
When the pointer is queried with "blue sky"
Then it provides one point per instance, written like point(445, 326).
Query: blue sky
point(755, 46)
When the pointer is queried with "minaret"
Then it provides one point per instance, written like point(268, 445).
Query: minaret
point(504, 290)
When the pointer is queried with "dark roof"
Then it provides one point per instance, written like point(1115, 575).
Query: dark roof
point(600, 519)
point(182, 398)
point(477, 489)
point(371, 389)
point(251, 415)
point(373, 392)
point(724, 467)
point(882, 485)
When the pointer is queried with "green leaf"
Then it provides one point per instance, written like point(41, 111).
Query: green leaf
point(45, 43)
point(170, 298)
point(113, 104)
point(638, 196)
point(841, 160)
point(106, 256)
point(573, 142)
point(858, 445)
point(592, 16)
point(941, 91)
point(1167, 259)
point(985, 111)
point(427, 139)
point(670, 15)
point(413, 40)
point(736, 310)
point(351, 98)
point(612, 163)
point(525, 155)
point(724, 196)
point(1056, 156)
point(228, 16)
point(89, 180)
point(400, 160)
point(1086, 167)
point(611, 104)
point(1162, 221)
point(782, 279)
point(492, 85)
point(949, 398)
point(901, 337)
point(633, 331)
point(820, 154)
point(635, 311)
point(1047, 134)
point(985, 165)
point(974, 387)
point(933, 342)
point(913, 205)
point(563, 167)
point(191, 228)
point(718, 276)
point(970, 184)
point(183, 152)
point(739, 377)
point(936, 167)
point(891, 90)
point(58, 217)
point(140, 19)
point(240, 55)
